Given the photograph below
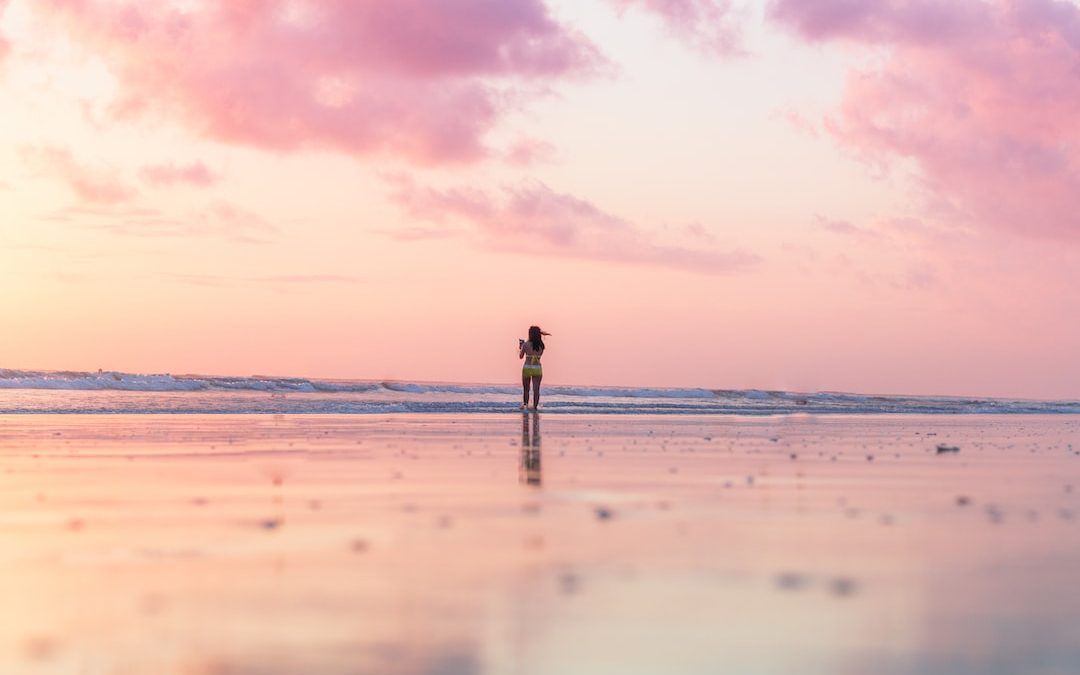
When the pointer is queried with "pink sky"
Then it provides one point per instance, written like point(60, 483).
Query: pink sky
point(875, 196)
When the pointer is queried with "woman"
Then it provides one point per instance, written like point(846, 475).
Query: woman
point(531, 373)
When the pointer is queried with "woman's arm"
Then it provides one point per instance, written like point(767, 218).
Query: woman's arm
point(521, 349)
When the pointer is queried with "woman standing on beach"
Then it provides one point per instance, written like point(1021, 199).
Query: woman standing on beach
point(531, 373)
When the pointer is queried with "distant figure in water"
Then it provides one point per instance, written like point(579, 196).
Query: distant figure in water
point(531, 373)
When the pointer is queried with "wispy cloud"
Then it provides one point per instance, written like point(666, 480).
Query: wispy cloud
point(709, 25)
point(273, 280)
point(799, 122)
point(94, 184)
point(844, 227)
point(920, 277)
point(422, 80)
point(534, 219)
point(221, 220)
point(420, 233)
point(159, 175)
point(529, 151)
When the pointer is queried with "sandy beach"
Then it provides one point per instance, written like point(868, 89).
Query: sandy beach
point(468, 544)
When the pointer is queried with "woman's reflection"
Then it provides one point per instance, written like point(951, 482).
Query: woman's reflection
point(529, 469)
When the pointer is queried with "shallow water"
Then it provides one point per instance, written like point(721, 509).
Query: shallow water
point(461, 544)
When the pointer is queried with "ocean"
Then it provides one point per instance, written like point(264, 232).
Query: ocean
point(28, 391)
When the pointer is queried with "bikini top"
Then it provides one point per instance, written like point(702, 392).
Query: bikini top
point(533, 359)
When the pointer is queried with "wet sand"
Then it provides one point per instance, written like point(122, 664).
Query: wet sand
point(454, 545)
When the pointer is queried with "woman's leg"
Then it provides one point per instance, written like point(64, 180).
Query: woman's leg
point(525, 386)
point(536, 390)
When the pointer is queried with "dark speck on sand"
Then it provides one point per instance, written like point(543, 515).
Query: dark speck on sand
point(569, 583)
point(791, 581)
point(842, 587)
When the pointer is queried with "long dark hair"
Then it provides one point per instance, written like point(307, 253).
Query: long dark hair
point(534, 339)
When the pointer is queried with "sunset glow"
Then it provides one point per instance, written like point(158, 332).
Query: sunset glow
point(878, 197)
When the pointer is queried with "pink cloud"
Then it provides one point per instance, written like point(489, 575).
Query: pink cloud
point(89, 183)
point(705, 24)
point(980, 96)
point(534, 219)
point(195, 173)
point(422, 79)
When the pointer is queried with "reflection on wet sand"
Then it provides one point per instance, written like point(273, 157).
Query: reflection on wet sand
point(529, 468)
point(403, 545)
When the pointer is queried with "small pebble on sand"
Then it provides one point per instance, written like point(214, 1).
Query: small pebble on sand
point(791, 581)
point(843, 587)
point(569, 583)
